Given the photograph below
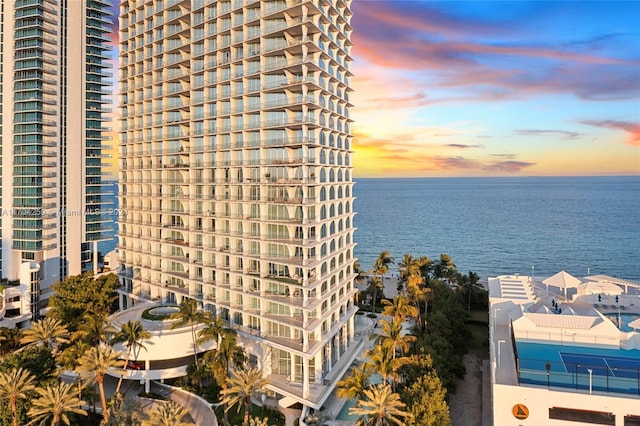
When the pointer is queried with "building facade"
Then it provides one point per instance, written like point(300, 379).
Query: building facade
point(564, 351)
point(236, 179)
point(54, 70)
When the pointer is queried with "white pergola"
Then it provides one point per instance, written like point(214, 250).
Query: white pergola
point(562, 280)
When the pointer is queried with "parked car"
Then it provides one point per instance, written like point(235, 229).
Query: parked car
point(135, 365)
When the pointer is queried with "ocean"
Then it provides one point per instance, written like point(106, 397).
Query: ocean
point(493, 226)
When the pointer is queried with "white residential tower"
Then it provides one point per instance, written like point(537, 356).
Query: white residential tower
point(236, 176)
point(53, 65)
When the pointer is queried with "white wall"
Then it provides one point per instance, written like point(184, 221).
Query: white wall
point(539, 400)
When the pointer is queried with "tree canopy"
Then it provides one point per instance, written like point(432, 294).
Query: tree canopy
point(81, 294)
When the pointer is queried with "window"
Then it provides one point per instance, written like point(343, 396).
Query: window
point(582, 416)
point(631, 420)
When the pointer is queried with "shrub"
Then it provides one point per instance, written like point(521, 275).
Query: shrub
point(154, 317)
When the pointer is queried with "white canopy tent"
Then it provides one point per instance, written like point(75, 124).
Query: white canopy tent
point(605, 288)
point(562, 280)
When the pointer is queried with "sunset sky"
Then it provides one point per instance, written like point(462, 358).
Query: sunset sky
point(502, 88)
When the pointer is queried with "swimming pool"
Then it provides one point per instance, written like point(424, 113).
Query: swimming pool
point(604, 369)
point(361, 322)
point(625, 319)
point(344, 411)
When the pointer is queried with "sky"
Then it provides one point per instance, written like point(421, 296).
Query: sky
point(495, 88)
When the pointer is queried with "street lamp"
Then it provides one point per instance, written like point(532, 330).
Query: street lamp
point(548, 367)
point(533, 267)
point(590, 379)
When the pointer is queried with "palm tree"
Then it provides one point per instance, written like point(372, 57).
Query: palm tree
point(445, 269)
point(69, 357)
point(221, 359)
point(49, 331)
point(400, 308)
point(382, 407)
point(94, 329)
point(416, 290)
point(392, 336)
point(403, 269)
point(426, 266)
point(54, 403)
point(361, 274)
point(170, 414)
point(131, 334)
point(95, 363)
point(14, 385)
point(373, 285)
point(380, 268)
point(239, 389)
point(468, 283)
point(215, 329)
point(381, 357)
point(353, 386)
point(189, 314)
point(256, 421)
point(9, 339)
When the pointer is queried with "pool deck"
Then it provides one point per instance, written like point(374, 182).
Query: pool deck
point(505, 368)
point(333, 405)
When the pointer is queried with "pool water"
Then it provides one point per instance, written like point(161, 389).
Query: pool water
point(625, 318)
point(344, 411)
point(362, 322)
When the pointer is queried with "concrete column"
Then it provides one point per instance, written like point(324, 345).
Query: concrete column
point(147, 382)
point(305, 377)
point(318, 367)
point(95, 257)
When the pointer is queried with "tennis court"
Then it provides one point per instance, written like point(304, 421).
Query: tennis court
point(615, 366)
point(612, 370)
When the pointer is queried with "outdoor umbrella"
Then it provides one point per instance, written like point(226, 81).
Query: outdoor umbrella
point(635, 324)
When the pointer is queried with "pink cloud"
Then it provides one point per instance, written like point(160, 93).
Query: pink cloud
point(508, 166)
point(436, 52)
point(632, 129)
point(566, 134)
point(463, 146)
point(457, 162)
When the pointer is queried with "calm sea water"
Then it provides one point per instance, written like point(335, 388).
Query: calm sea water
point(496, 226)
point(504, 225)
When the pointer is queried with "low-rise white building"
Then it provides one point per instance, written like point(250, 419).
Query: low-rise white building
point(166, 354)
point(562, 352)
point(19, 299)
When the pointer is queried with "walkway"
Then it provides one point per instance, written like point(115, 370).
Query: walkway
point(199, 409)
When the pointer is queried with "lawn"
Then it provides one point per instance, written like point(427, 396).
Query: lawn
point(478, 324)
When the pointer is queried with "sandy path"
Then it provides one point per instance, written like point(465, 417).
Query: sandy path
point(465, 406)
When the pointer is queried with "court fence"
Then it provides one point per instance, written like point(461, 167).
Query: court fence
point(579, 374)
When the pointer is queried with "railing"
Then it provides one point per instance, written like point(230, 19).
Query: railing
point(599, 377)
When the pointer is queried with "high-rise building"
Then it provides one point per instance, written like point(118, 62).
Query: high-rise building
point(53, 81)
point(236, 177)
